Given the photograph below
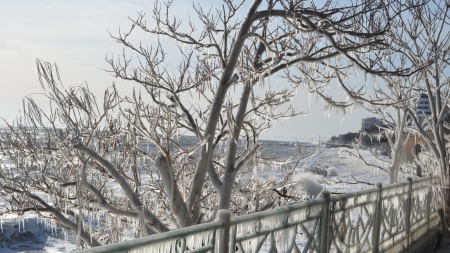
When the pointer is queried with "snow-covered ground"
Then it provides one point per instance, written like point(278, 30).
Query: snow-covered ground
point(35, 235)
point(342, 167)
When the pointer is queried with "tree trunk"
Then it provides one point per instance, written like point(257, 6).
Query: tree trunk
point(225, 82)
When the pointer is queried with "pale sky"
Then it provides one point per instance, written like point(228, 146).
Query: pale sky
point(73, 35)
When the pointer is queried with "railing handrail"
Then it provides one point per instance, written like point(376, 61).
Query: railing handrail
point(276, 211)
point(152, 239)
point(318, 209)
point(354, 194)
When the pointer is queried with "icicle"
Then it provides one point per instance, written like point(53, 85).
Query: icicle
point(375, 82)
point(142, 222)
point(65, 200)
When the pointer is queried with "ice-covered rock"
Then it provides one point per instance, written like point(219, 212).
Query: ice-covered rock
point(332, 172)
point(310, 183)
point(322, 170)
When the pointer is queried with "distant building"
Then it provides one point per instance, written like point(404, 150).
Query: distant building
point(424, 109)
point(368, 123)
point(412, 146)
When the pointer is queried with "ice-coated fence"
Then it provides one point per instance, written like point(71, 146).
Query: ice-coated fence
point(381, 219)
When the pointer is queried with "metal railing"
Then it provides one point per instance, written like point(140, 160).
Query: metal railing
point(382, 219)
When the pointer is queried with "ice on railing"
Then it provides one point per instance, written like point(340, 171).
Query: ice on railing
point(295, 217)
point(420, 195)
point(250, 245)
point(191, 242)
point(198, 240)
point(280, 229)
point(301, 215)
point(251, 227)
point(160, 247)
point(360, 200)
point(281, 238)
point(395, 202)
point(245, 228)
point(396, 192)
point(420, 202)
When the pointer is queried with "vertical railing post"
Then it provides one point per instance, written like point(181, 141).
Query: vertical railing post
point(223, 239)
point(324, 230)
point(429, 196)
point(377, 220)
point(233, 239)
point(408, 211)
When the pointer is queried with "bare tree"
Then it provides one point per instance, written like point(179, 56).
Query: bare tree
point(98, 145)
point(393, 96)
point(429, 42)
point(419, 40)
point(399, 95)
point(306, 38)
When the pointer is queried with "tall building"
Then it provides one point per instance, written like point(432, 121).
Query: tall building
point(423, 109)
point(368, 123)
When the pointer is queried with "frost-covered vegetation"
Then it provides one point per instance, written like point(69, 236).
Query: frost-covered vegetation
point(419, 40)
point(121, 165)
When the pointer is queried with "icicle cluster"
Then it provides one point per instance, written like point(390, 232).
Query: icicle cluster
point(192, 242)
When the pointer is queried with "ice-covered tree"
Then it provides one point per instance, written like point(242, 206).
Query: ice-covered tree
point(392, 100)
point(395, 121)
point(419, 40)
point(428, 44)
point(389, 96)
point(93, 162)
